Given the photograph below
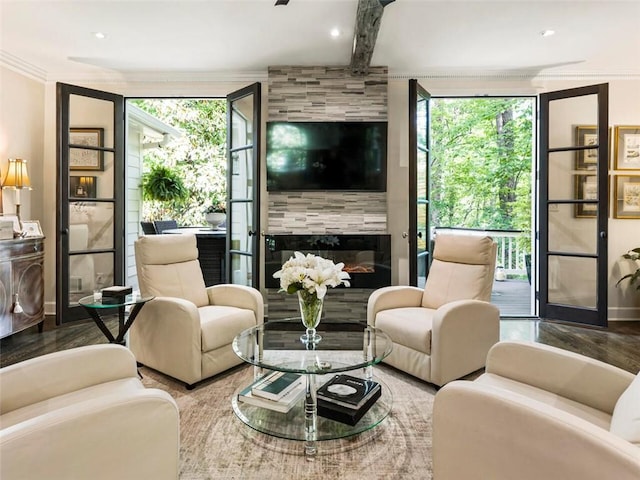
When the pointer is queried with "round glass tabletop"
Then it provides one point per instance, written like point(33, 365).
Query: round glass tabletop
point(276, 345)
point(91, 301)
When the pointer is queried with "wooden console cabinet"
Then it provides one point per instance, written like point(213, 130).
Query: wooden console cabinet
point(21, 278)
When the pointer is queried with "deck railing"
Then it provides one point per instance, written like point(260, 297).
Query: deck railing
point(511, 256)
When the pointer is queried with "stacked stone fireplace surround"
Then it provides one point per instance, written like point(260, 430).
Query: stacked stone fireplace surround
point(318, 93)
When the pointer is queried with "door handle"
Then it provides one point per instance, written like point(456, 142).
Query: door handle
point(252, 233)
point(419, 234)
point(603, 235)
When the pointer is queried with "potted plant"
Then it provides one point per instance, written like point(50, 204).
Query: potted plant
point(634, 277)
point(216, 213)
point(163, 184)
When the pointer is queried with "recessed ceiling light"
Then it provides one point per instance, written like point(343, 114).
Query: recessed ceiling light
point(99, 35)
point(547, 33)
point(335, 32)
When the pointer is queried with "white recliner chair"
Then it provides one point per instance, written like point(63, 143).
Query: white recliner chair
point(538, 412)
point(83, 413)
point(186, 332)
point(444, 331)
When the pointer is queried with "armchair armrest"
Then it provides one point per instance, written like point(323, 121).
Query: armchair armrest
point(138, 430)
point(462, 333)
point(565, 373)
point(502, 435)
point(172, 325)
point(62, 372)
point(239, 296)
point(386, 298)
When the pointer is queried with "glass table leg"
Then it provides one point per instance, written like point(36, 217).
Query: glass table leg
point(310, 414)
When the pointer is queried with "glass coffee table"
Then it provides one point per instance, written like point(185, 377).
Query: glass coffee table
point(94, 306)
point(346, 347)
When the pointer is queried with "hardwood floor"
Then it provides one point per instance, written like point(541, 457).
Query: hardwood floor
point(618, 345)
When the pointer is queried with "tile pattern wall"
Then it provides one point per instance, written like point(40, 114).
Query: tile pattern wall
point(323, 93)
point(300, 93)
point(327, 212)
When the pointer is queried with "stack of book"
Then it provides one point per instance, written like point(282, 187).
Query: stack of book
point(278, 391)
point(346, 399)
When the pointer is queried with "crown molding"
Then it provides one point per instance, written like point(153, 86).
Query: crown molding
point(457, 74)
point(199, 77)
point(158, 77)
point(23, 67)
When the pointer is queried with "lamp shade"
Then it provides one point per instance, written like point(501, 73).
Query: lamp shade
point(17, 176)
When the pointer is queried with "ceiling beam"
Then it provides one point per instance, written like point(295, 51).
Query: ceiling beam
point(368, 17)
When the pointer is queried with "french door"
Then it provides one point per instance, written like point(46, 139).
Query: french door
point(419, 237)
point(90, 193)
point(573, 183)
point(243, 186)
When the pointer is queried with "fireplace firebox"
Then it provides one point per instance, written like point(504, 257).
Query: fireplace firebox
point(367, 258)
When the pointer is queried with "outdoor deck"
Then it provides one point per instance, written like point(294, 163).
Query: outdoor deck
point(513, 297)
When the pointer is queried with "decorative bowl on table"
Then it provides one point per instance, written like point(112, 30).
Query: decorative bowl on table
point(215, 219)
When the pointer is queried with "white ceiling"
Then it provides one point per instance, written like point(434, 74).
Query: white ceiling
point(150, 39)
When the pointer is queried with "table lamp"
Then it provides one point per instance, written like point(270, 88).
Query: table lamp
point(17, 178)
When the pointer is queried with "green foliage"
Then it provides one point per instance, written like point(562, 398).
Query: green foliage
point(634, 277)
point(199, 155)
point(481, 150)
point(163, 184)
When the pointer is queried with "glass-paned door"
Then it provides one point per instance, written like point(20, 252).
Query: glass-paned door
point(243, 186)
point(574, 147)
point(90, 183)
point(419, 237)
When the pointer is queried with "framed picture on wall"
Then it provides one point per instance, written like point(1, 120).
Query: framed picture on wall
point(627, 196)
point(585, 188)
point(586, 159)
point(626, 147)
point(83, 158)
point(82, 186)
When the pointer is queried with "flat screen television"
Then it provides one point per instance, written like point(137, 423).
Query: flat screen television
point(326, 156)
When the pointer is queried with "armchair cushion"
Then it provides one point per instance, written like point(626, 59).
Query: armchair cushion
point(220, 324)
point(625, 421)
point(410, 326)
point(171, 268)
point(462, 268)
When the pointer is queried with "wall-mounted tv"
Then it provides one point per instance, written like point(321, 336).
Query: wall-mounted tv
point(326, 156)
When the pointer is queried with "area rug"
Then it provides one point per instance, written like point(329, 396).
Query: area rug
point(217, 445)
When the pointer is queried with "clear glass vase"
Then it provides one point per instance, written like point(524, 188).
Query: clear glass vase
point(310, 313)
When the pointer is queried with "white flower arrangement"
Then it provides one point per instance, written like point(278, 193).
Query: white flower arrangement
point(312, 274)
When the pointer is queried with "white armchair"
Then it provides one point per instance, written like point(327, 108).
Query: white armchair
point(187, 330)
point(444, 331)
point(83, 413)
point(538, 412)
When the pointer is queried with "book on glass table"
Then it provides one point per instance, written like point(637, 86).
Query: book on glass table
point(346, 399)
point(348, 391)
point(116, 291)
point(286, 403)
point(275, 385)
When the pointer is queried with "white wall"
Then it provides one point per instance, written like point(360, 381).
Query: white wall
point(22, 107)
point(21, 136)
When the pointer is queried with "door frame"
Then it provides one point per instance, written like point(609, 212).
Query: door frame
point(575, 314)
point(65, 312)
point(254, 89)
point(417, 93)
